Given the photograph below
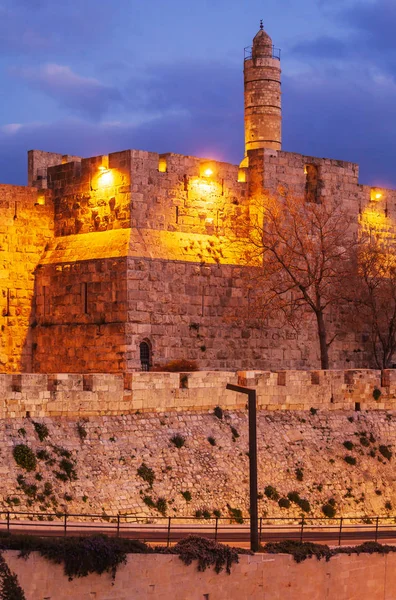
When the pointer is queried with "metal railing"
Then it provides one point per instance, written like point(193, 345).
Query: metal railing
point(169, 530)
point(276, 52)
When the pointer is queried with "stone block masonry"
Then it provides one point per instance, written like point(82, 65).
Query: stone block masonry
point(78, 395)
point(263, 576)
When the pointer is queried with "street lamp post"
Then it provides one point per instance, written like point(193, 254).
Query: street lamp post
point(252, 411)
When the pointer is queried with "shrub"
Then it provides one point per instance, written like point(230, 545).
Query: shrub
point(198, 514)
point(364, 442)
point(299, 550)
point(235, 514)
point(313, 411)
point(294, 497)
point(22, 431)
point(162, 506)
point(385, 451)
point(82, 432)
point(68, 467)
point(328, 510)
point(187, 496)
point(376, 394)
point(234, 432)
point(271, 493)
point(348, 445)
point(378, 492)
point(212, 441)
point(24, 457)
point(47, 491)
point(299, 474)
point(41, 430)
point(38, 476)
point(217, 513)
point(388, 505)
point(147, 474)
point(149, 501)
point(61, 476)
point(351, 419)
point(284, 503)
point(208, 553)
point(42, 455)
point(206, 514)
point(351, 460)
point(178, 440)
point(304, 505)
point(218, 412)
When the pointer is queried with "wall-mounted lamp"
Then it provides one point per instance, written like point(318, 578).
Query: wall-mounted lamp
point(375, 195)
point(105, 176)
point(208, 172)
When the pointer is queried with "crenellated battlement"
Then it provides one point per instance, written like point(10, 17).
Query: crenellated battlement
point(77, 395)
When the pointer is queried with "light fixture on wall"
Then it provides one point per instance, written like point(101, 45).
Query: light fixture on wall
point(375, 195)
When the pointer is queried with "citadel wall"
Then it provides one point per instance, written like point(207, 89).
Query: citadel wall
point(78, 395)
point(26, 226)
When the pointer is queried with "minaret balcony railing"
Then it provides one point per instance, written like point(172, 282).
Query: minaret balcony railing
point(276, 52)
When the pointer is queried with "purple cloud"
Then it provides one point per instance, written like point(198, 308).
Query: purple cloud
point(82, 94)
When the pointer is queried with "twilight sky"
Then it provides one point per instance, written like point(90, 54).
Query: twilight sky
point(88, 77)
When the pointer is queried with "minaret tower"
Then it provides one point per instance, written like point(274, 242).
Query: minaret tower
point(263, 112)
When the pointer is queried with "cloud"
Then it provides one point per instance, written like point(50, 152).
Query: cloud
point(82, 94)
point(365, 35)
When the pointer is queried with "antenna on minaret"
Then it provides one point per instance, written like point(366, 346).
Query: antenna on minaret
point(261, 24)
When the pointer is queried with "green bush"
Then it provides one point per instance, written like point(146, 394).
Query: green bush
point(364, 442)
point(313, 411)
point(42, 455)
point(162, 506)
point(235, 515)
point(385, 451)
point(217, 513)
point(198, 514)
point(206, 514)
point(271, 493)
point(22, 431)
point(208, 553)
point(187, 496)
point(82, 432)
point(178, 440)
point(299, 474)
point(24, 457)
point(212, 441)
point(294, 497)
point(234, 432)
point(41, 430)
point(218, 412)
point(284, 503)
point(149, 501)
point(329, 510)
point(348, 445)
point(146, 473)
point(68, 467)
point(388, 505)
point(377, 394)
point(351, 460)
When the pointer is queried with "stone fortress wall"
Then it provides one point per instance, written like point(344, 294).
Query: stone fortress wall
point(77, 395)
point(111, 251)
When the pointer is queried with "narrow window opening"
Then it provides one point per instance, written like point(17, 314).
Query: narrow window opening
point(311, 184)
point(145, 356)
point(177, 214)
point(185, 179)
point(357, 406)
point(47, 307)
point(6, 312)
point(84, 294)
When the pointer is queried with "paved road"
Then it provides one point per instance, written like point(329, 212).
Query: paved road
point(231, 534)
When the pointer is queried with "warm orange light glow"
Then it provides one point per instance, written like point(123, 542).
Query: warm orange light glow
point(162, 166)
point(375, 195)
point(105, 177)
point(208, 172)
point(40, 200)
point(241, 176)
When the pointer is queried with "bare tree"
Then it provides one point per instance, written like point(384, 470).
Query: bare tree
point(374, 296)
point(299, 253)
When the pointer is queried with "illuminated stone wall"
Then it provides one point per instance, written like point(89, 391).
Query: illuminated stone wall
point(26, 226)
point(141, 251)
